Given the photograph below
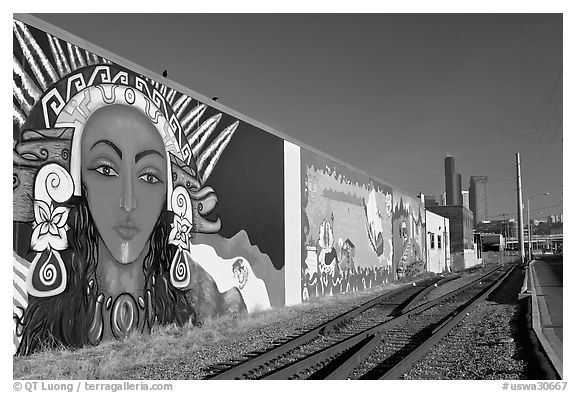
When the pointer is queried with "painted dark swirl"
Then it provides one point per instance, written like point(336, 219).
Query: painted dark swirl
point(44, 154)
point(48, 273)
point(181, 270)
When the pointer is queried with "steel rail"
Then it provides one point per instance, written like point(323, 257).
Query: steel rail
point(343, 370)
point(233, 371)
point(368, 336)
point(425, 292)
point(441, 331)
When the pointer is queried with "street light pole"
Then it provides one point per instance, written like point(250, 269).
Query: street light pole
point(529, 234)
point(519, 207)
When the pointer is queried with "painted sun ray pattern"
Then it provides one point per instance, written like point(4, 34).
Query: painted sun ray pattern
point(22, 100)
point(177, 108)
point(81, 62)
point(17, 116)
point(212, 154)
point(192, 119)
point(29, 57)
point(199, 137)
point(170, 96)
point(25, 82)
point(92, 58)
point(39, 53)
point(61, 55)
point(57, 56)
point(73, 63)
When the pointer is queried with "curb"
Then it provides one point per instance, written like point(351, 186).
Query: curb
point(525, 291)
point(542, 323)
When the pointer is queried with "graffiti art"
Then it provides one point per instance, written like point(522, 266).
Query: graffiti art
point(115, 216)
point(408, 221)
point(347, 231)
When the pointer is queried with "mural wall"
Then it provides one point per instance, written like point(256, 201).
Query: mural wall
point(346, 229)
point(133, 204)
point(356, 232)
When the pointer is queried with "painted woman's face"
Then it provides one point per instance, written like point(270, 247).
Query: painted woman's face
point(124, 171)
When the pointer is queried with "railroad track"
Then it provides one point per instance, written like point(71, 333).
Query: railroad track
point(396, 327)
point(253, 365)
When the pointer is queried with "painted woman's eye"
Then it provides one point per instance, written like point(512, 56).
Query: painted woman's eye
point(149, 178)
point(106, 170)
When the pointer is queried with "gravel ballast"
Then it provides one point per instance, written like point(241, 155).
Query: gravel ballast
point(492, 342)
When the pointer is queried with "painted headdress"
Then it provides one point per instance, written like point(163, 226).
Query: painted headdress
point(55, 94)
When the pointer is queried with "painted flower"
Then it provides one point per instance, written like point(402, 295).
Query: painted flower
point(50, 227)
point(180, 233)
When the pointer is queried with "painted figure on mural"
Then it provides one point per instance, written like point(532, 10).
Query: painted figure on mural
point(108, 196)
point(374, 223)
point(116, 274)
point(407, 231)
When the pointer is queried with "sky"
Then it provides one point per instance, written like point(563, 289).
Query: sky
point(390, 94)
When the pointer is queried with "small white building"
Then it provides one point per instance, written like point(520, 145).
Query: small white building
point(437, 243)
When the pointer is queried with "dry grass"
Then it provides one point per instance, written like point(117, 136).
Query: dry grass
point(113, 359)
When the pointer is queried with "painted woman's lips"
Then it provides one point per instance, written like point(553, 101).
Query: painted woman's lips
point(126, 232)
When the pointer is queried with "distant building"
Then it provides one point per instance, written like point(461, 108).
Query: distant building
point(478, 194)
point(452, 183)
point(466, 199)
point(430, 200)
point(443, 199)
point(507, 228)
point(554, 218)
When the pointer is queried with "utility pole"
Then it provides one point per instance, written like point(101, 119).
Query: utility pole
point(520, 215)
point(504, 231)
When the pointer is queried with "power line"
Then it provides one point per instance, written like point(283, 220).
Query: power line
point(544, 151)
point(414, 185)
point(523, 210)
point(545, 107)
point(543, 132)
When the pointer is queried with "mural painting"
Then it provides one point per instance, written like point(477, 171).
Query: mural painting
point(346, 229)
point(408, 222)
point(134, 205)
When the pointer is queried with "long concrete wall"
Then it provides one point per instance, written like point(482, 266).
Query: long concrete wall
point(137, 202)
